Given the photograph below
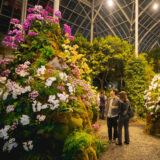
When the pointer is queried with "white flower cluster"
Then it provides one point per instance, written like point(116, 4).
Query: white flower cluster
point(28, 145)
point(41, 117)
point(71, 88)
point(152, 95)
point(9, 145)
point(63, 96)
point(49, 81)
point(3, 132)
point(55, 103)
point(41, 71)
point(3, 79)
point(25, 120)
point(63, 76)
point(37, 106)
point(15, 89)
point(10, 108)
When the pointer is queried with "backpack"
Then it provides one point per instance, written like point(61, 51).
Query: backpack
point(128, 112)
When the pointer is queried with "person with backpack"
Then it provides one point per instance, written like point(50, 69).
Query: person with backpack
point(102, 104)
point(125, 113)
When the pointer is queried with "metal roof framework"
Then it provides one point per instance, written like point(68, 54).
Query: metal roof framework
point(118, 20)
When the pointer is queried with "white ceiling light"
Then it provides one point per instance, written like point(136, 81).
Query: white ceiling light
point(155, 6)
point(110, 3)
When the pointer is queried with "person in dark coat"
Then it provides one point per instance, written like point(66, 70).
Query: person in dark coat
point(102, 104)
point(123, 118)
point(113, 105)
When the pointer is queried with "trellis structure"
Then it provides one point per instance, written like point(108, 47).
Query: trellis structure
point(94, 18)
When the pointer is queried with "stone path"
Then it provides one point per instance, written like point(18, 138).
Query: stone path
point(141, 147)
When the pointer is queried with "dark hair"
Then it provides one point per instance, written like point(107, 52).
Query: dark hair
point(123, 96)
point(102, 92)
point(115, 90)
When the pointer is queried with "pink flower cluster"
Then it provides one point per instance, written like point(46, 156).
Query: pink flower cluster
point(14, 21)
point(33, 95)
point(58, 14)
point(4, 61)
point(68, 31)
point(85, 101)
point(6, 72)
point(15, 124)
point(61, 88)
point(95, 126)
point(49, 9)
point(32, 34)
point(22, 69)
point(15, 37)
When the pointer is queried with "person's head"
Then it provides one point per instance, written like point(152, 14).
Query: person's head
point(123, 96)
point(114, 91)
point(102, 92)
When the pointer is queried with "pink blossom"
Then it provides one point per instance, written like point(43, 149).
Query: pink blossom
point(61, 88)
point(6, 72)
point(49, 9)
point(96, 127)
point(33, 94)
point(58, 14)
point(4, 61)
point(14, 21)
point(30, 10)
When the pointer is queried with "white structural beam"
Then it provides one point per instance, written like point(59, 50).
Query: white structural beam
point(149, 31)
point(87, 3)
point(124, 13)
point(92, 21)
point(24, 10)
point(100, 6)
point(136, 27)
point(56, 5)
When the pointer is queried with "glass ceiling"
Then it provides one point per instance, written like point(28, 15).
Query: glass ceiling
point(118, 20)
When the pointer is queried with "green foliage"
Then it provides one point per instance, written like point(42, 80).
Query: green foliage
point(76, 142)
point(106, 56)
point(136, 81)
point(47, 51)
point(153, 57)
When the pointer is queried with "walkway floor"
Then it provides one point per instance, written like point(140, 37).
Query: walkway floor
point(141, 147)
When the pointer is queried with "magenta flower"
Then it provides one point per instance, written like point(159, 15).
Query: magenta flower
point(38, 8)
point(44, 13)
point(49, 9)
point(58, 14)
point(61, 88)
point(56, 21)
point(14, 21)
point(26, 24)
point(4, 61)
point(32, 34)
point(19, 26)
point(30, 10)
point(33, 95)
point(96, 127)
point(67, 29)
point(6, 73)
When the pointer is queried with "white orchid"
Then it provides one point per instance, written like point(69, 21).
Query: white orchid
point(51, 98)
point(63, 96)
point(41, 71)
point(5, 95)
point(2, 79)
point(25, 120)
point(63, 76)
point(34, 106)
point(9, 145)
point(41, 117)
point(3, 132)
point(10, 108)
point(49, 81)
point(28, 145)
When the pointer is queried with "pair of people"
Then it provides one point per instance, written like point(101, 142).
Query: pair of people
point(117, 116)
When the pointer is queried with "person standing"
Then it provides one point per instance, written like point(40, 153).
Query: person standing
point(102, 104)
point(113, 105)
point(123, 118)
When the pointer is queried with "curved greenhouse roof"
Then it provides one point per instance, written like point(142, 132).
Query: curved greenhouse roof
point(118, 20)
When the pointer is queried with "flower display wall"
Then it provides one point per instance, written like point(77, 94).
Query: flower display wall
point(152, 98)
point(43, 94)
